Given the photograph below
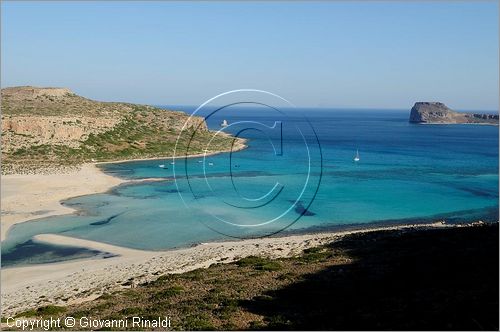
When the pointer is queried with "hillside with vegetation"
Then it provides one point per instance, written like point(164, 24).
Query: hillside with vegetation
point(413, 279)
point(45, 129)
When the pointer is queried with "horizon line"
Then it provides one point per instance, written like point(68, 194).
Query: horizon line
point(408, 108)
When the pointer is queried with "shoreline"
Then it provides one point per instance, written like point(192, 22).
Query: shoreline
point(43, 194)
point(239, 147)
point(33, 196)
point(446, 123)
point(77, 281)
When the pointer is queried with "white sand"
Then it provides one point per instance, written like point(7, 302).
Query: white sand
point(76, 281)
point(26, 197)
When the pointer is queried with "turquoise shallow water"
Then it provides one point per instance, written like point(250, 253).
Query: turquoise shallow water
point(407, 173)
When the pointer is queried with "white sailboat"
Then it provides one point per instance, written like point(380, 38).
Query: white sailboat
point(161, 166)
point(224, 123)
point(356, 158)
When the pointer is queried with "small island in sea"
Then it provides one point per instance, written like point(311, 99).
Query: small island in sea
point(439, 113)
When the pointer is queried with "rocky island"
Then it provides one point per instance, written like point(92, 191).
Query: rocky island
point(439, 113)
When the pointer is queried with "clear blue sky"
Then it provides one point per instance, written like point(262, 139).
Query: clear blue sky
point(321, 54)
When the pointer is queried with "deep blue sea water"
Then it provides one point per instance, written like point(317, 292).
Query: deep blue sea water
point(296, 177)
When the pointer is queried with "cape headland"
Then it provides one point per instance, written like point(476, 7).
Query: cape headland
point(46, 129)
point(439, 113)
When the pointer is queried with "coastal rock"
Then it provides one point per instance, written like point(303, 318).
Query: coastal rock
point(435, 112)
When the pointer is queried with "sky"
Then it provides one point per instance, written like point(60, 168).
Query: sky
point(361, 54)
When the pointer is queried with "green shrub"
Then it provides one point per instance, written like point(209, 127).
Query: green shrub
point(259, 263)
point(315, 254)
point(131, 311)
point(169, 292)
point(105, 297)
point(27, 313)
point(197, 323)
point(50, 310)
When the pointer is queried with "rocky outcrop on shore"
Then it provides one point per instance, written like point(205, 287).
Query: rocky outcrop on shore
point(439, 113)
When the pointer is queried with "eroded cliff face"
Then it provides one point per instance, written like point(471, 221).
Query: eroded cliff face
point(24, 131)
point(435, 112)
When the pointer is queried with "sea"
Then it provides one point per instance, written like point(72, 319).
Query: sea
point(296, 175)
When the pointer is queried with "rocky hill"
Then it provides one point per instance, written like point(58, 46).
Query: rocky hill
point(49, 128)
point(434, 112)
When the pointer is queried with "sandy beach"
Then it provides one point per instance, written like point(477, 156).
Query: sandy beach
point(26, 197)
point(82, 280)
point(31, 196)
